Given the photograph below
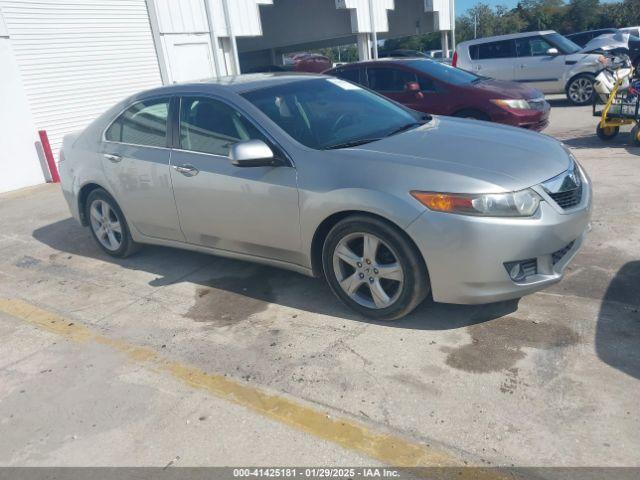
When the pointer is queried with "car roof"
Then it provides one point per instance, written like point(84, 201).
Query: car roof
point(511, 36)
point(235, 83)
point(394, 60)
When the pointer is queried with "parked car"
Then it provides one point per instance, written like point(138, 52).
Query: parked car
point(311, 63)
point(582, 38)
point(635, 31)
point(545, 60)
point(321, 176)
point(431, 87)
point(436, 54)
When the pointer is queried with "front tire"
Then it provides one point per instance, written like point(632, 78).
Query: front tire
point(108, 226)
point(580, 89)
point(607, 133)
point(374, 268)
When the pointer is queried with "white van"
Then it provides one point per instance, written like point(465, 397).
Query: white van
point(545, 60)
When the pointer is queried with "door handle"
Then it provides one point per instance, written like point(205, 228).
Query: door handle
point(113, 158)
point(186, 170)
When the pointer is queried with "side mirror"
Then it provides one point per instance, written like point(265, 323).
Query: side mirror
point(252, 153)
point(552, 52)
point(414, 87)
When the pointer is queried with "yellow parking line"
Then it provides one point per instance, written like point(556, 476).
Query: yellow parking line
point(383, 447)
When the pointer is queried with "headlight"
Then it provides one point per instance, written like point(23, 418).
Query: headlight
point(515, 104)
point(512, 204)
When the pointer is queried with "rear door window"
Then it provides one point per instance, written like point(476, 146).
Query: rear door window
point(144, 123)
point(492, 50)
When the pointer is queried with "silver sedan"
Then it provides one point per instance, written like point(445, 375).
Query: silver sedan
point(321, 176)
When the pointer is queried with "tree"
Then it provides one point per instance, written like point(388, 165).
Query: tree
point(541, 14)
point(584, 14)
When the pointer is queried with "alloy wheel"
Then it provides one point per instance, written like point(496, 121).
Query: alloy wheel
point(581, 90)
point(106, 225)
point(368, 270)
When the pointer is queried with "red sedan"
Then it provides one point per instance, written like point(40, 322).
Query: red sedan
point(437, 88)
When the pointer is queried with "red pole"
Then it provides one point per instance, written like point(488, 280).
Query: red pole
point(48, 154)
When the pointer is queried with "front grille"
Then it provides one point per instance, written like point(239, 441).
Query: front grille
point(529, 267)
point(559, 255)
point(568, 199)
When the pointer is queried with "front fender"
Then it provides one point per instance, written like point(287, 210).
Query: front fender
point(577, 69)
point(315, 208)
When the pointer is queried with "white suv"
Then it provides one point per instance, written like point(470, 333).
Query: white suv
point(545, 60)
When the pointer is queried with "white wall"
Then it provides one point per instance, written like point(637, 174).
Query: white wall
point(77, 58)
point(19, 162)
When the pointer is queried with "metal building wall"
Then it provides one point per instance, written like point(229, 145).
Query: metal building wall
point(184, 40)
point(79, 57)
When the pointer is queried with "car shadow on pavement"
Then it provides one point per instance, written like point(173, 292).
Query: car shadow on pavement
point(618, 328)
point(561, 102)
point(592, 141)
point(246, 288)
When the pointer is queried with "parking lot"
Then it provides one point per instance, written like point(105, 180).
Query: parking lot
point(179, 358)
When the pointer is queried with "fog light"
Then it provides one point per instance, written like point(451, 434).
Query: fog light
point(518, 271)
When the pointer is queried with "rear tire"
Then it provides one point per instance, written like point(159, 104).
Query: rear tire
point(108, 225)
point(374, 268)
point(607, 133)
point(580, 89)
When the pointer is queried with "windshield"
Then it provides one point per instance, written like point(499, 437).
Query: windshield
point(329, 113)
point(443, 72)
point(563, 44)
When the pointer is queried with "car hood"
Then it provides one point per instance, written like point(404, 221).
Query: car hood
point(506, 89)
point(468, 156)
point(583, 58)
point(607, 41)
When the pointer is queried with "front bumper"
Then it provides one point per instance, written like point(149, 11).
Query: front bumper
point(466, 255)
point(536, 120)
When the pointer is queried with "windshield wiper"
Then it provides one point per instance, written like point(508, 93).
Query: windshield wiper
point(351, 143)
point(404, 128)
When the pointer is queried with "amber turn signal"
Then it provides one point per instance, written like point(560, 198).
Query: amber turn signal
point(442, 202)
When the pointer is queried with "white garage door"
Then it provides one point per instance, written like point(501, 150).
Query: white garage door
point(79, 57)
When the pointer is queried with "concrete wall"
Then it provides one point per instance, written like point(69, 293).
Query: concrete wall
point(409, 18)
point(293, 22)
point(295, 25)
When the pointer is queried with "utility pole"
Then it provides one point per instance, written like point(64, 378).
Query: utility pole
point(452, 10)
point(475, 25)
point(374, 34)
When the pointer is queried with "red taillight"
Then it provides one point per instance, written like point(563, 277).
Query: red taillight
point(454, 62)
